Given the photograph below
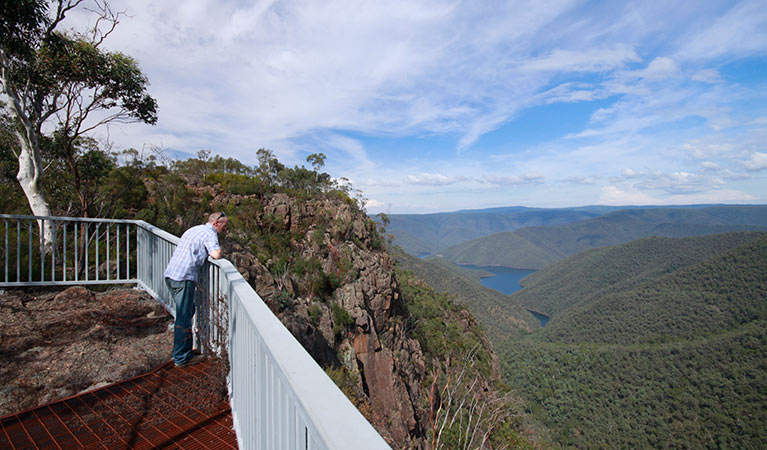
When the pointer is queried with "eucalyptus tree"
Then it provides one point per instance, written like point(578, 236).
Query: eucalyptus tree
point(63, 85)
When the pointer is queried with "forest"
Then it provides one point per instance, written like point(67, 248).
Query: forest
point(656, 343)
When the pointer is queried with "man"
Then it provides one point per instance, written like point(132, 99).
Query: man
point(196, 244)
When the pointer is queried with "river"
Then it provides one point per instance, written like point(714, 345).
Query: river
point(506, 280)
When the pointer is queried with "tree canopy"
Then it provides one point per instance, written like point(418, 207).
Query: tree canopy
point(65, 82)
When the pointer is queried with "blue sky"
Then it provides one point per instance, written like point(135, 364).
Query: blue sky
point(437, 105)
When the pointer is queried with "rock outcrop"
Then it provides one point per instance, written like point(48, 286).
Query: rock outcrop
point(340, 298)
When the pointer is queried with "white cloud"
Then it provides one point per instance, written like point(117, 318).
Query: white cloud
point(281, 70)
point(432, 179)
point(758, 161)
point(680, 182)
point(303, 76)
point(740, 31)
point(374, 205)
point(629, 173)
point(514, 180)
point(574, 92)
point(594, 60)
point(581, 180)
point(353, 149)
point(659, 68)
point(707, 76)
point(612, 195)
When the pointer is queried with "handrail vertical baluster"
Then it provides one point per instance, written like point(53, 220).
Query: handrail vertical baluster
point(29, 249)
point(42, 250)
point(127, 253)
point(87, 251)
point(77, 251)
point(117, 259)
point(18, 250)
point(107, 244)
point(97, 251)
point(53, 251)
point(6, 250)
point(64, 259)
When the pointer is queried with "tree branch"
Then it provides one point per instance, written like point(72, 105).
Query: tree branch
point(105, 14)
point(62, 8)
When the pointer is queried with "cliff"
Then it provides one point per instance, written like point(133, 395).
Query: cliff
point(402, 357)
point(339, 297)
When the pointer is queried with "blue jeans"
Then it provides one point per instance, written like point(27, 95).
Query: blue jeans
point(183, 295)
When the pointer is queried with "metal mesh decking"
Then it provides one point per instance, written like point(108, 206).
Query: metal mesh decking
point(167, 408)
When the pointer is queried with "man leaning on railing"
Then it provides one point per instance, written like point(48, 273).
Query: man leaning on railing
point(196, 244)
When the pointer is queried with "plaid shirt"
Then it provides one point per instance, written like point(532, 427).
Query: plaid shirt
point(192, 251)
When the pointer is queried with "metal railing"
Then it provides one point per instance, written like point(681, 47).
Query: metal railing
point(82, 251)
point(280, 397)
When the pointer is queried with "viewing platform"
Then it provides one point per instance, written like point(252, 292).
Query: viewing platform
point(166, 408)
point(278, 396)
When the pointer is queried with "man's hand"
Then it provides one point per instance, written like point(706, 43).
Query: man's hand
point(215, 254)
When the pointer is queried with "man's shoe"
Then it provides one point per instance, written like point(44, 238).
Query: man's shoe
point(196, 359)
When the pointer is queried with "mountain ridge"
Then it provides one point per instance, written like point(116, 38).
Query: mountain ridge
point(429, 233)
point(536, 247)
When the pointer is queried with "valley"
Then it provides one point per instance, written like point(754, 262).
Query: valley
point(658, 341)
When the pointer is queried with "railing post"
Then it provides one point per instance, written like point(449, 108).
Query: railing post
point(53, 252)
point(6, 250)
point(64, 247)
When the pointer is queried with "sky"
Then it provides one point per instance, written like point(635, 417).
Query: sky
point(431, 106)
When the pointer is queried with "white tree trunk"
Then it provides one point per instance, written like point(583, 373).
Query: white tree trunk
point(30, 174)
point(30, 178)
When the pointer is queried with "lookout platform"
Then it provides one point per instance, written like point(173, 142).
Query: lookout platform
point(169, 407)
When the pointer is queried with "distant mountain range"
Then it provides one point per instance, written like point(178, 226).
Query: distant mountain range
point(429, 233)
point(420, 234)
point(539, 246)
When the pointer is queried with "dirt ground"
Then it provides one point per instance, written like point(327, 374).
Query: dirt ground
point(54, 344)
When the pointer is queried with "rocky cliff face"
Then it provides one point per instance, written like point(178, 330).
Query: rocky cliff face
point(339, 296)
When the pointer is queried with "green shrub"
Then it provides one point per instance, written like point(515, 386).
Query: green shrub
point(342, 320)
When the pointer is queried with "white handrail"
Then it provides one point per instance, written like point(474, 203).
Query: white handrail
point(281, 398)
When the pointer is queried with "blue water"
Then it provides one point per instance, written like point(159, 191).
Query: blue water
point(506, 279)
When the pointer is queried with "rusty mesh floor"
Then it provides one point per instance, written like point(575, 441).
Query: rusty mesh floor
point(167, 408)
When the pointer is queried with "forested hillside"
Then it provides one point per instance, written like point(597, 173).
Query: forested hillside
point(603, 271)
point(536, 247)
point(671, 353)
